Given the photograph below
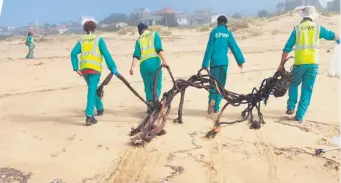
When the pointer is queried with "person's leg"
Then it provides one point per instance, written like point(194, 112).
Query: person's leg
point(297, 73)
point(32, 51)
point(308, 82)
point(158, 83)
point(222, 81)
point(148, 71)
point(91, 98)
point(29, 52)
point(98, 101)
point(147, 82)
point(214, 97)
point(92, 81)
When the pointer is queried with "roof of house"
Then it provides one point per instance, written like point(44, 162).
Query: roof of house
point(167, 10)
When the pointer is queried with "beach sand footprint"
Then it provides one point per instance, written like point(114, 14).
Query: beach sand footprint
point(57, 153)
point(316, 127)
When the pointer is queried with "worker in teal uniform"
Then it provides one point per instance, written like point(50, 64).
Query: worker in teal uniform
point(148, 50)
point(30, 43)
point(92, 49)
point(305, 37)
point(220, 41)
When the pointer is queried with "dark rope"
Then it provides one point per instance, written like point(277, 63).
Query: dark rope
point(100, 92)
point(154, 123)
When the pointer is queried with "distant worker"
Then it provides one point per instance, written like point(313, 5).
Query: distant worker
point(305, 37)
point(92, 49)
point(30, 43)
point(220, 40)
point(148, 49)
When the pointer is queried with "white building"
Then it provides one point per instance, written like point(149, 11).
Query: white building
point(215, 17)
point(324, 3)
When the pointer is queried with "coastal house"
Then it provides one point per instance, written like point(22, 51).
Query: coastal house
point(215, 16)
point(169, 16)
point(151, 20)
point(333, 5)
point(6, 31)
point(288, 5)
point(201, 17)
point(138, 14)
point(166, 17)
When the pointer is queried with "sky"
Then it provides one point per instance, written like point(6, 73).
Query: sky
point(21, 12)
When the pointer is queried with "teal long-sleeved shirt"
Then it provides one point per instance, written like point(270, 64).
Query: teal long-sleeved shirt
point(103, 49)
point(220, 41)
point(324, 34)
point(30, 40)
point(151, 63)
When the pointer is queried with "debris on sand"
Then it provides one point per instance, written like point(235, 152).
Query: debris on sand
point(177, 170)
point(10, 175)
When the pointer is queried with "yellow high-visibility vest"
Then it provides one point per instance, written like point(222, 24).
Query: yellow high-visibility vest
point(91, 57)
point(307, 41)
point(147, 46)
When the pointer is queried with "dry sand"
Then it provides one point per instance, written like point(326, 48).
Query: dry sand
point(42, 105)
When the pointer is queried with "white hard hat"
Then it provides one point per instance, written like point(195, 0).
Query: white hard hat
point(308, 12)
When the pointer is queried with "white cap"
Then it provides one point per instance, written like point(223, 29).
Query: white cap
point(308, 12)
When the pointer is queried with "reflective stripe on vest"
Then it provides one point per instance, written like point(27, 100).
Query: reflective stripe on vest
point(91, 57)
point(147, 46)
point(307, 41)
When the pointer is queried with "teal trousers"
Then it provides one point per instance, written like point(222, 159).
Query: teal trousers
point(148, 70)
point(30, 54)
point(220, 73)
point(305, 74)
point(93, 100)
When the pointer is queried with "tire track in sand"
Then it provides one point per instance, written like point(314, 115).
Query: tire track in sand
point(134, 166)
point(216, 160)
point(265, 149)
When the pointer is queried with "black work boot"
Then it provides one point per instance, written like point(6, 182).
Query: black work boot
point(289, 112)
point(90, 120)
point(100, 112)
point(149, 109)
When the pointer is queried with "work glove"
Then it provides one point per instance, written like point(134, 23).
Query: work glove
point(338, 41)
point(114, 71)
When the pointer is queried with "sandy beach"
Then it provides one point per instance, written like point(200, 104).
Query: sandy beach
point(42, 102)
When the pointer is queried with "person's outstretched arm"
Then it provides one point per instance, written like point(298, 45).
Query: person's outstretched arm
point(209, 51)
point(107, 56)
point(237, 53)
point(136, 57)
point(328, 35)
point(287, 49)
point(74, 56)
point(158, 48)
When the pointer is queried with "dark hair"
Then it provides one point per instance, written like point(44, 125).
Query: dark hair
point(141, 27)
point(29, 34)
point(222, 20)
point(89, 26)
